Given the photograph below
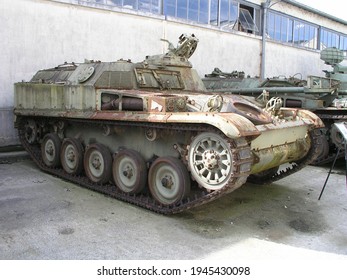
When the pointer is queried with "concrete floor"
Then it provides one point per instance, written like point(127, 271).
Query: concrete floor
point(44, 217)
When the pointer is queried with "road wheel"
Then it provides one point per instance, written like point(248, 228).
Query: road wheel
point(50, 149)
point(98, 163)
point(129, 171)
point(168, 180)
point(31, 131)
point(71, 156)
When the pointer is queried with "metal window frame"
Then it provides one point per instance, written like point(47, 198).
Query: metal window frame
point(331, 32)
point(246, 20)
point(230, 23)
point(307, 27)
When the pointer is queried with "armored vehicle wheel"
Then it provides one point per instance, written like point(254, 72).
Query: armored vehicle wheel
point(50, 149)
point(210, 160)
point(71, 156)
point(31, 131)
point(168, 180)
point(98, 163)
point(129, 171)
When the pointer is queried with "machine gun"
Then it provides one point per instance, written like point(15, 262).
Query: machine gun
point(186, 46)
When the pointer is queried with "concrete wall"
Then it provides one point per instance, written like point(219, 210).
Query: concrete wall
point(37, 34)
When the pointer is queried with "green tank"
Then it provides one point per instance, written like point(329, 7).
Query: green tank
point(149, 133)
point(325, 96)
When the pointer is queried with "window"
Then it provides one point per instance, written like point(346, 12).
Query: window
point(193, 10)
point(343, 44)
point(170, 8)
point(151, 6)
point(203, 11)
point(214, 12)
point(280, 28)
point(286, 29)
point(328, 39)
point(130, 4)
point(305, 34)
point(182, 9)
point(236, 15)
point(223, 13)
point(115, 2)
point(246, 21)
point(229, 13)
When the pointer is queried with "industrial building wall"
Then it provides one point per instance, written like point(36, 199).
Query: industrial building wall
point(37, 34)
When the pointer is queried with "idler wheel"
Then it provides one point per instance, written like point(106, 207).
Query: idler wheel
point(71, 156)
point(50, 149)
point(168, 180)
point(31, 131)
point(210, 160)
point(129, 171)
point(98, 163)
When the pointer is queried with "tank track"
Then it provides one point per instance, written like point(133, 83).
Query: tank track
point(198, 196)
point(295, 166)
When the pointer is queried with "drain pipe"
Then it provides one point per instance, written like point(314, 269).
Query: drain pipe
point(265, 5)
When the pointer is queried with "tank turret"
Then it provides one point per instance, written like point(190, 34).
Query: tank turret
point(149, 133)
point(333, 57)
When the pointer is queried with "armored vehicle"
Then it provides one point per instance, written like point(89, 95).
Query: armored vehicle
point(325, 96)
point(334, 57)
point(150, 134)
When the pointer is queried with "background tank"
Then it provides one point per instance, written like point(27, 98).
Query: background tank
point(325, 96)
point(150, 134)
point(334, 57)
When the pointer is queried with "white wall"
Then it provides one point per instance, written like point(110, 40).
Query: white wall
point(37, 34)
point(288, 61)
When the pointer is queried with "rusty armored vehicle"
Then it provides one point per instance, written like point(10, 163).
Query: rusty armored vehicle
point(325, 96)
point(150, 134)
